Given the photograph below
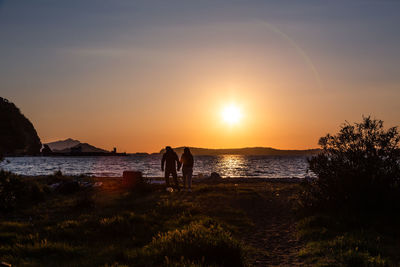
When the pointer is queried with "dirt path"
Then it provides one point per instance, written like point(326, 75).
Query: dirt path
point(274, 234)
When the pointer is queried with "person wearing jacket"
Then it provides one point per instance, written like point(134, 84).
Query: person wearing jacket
point(171, 161)
point(187, 168)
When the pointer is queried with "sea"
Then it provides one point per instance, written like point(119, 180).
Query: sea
point(228, 166)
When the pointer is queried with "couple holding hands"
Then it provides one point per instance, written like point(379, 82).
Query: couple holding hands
point(172, 163)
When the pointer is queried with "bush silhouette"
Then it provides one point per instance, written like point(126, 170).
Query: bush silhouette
point(359, 167)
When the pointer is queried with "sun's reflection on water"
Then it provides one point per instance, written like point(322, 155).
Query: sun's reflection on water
point(231, 165)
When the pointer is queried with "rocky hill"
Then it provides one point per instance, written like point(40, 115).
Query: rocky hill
point(62, 144)
point(71, 145)
point(83, 148)
point(17, 134)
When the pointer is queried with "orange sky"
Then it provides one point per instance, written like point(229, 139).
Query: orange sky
point(112, 76)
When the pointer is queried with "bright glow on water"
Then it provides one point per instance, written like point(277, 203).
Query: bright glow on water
point(225, 165)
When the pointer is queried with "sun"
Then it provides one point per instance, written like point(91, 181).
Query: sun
point(231, 114)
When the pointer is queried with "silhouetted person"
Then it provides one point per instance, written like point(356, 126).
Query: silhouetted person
point(170, 158)
point(187, 168)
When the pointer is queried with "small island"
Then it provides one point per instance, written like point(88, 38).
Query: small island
point(71, 147)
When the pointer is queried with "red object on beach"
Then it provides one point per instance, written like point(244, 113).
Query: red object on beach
point(131, 178)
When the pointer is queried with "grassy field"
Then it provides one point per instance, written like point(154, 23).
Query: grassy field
point(350, 240)
point(221, 223)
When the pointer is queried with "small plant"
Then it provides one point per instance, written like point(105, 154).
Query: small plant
point(12, 190)
point(358, 167)
point(204, 243)
point(58, 173)
point(15, 192)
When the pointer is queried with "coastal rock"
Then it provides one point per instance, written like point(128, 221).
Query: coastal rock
point(131, 178)
point(17, 134)
point(46, 150)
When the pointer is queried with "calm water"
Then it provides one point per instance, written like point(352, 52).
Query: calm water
point(225, 165)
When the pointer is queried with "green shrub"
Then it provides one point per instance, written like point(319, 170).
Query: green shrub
point(358, 168)
point(350, 249)
point(15, 192)
point(126, 227)
point(204, 242)
point(12, 191)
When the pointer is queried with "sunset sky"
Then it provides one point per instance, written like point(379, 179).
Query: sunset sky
point(140, 75)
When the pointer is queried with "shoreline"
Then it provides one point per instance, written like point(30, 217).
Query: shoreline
point(160, 180)
point(237, 179)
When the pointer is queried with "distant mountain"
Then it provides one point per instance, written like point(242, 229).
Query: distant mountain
point(17, 134)
point(84, 148)
point(63, 144)
point(68, 145)
point(246, 151)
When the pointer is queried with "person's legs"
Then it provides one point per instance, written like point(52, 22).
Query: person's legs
point(185, 181)
point(175, 176)
point(189, 179)
point(167, 178)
